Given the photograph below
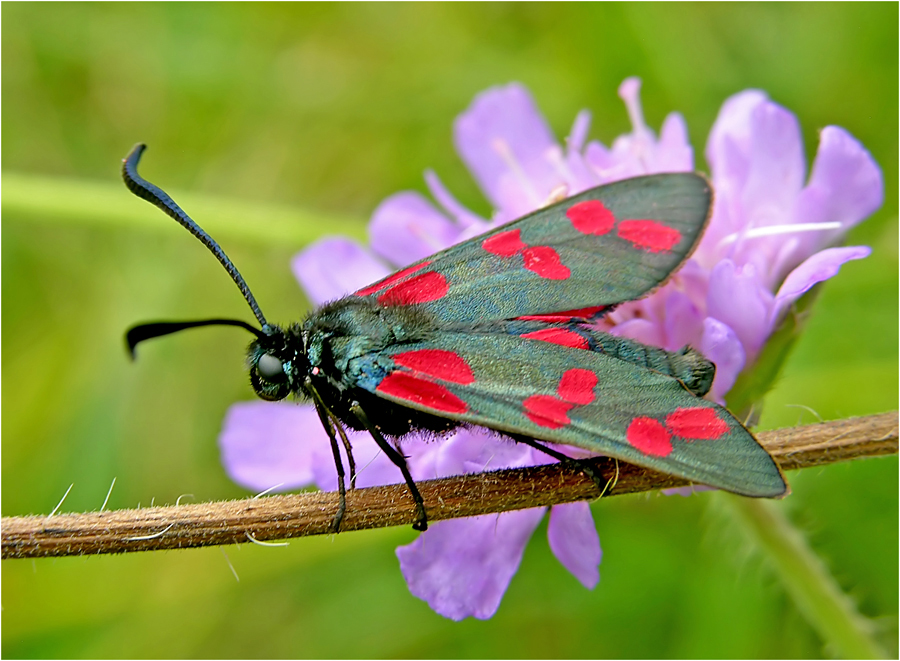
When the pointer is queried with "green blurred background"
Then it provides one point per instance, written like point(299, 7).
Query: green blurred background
point(274, 124)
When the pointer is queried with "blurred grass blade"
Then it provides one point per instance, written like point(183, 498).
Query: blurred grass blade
point(83, 202)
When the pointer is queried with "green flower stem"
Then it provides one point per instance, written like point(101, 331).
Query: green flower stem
point(814, 591)
point(109, 204)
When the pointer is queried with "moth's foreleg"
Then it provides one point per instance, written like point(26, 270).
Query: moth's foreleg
point(399, 460)
point(342, 492)
point(349, 449)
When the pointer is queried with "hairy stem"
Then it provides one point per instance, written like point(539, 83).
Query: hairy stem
point(813, 590)
point(280, 517)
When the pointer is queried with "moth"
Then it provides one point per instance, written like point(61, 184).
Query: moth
point(498, 332)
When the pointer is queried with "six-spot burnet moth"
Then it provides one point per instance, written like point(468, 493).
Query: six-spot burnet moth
point(497, 332)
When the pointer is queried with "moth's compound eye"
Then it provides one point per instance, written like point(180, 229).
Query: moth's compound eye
point(269, 379)
point(269, 366)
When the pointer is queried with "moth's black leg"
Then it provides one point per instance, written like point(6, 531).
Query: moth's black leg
point(342, 503)
point(349, 450)
point(400, 461)
point(580, 464)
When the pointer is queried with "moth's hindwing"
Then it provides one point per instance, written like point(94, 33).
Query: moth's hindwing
point(574, 397)
point(604, 246)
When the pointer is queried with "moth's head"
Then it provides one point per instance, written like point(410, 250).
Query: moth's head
point(278, 363)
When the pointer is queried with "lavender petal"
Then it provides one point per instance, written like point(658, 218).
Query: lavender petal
point(406, 227)
point(821, 266)
point(315, 269)
point(264, 444)
point(504, 140)
point(641, 330)
point(463, 216)
point(728, 144)
point(737, 298)
point(462, 567)
point(777, 163)
point(574, 541)
point(721, 345)
point(673, 150)
point(846, 186)
point(682, 321)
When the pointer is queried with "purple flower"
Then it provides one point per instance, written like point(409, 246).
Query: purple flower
point(767, 242)
point(766, 245)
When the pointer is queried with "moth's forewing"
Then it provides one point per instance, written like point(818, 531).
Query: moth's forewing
point(604, 246)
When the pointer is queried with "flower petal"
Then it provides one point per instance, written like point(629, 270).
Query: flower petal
point(673, 151)
point(682, 322)
point(463, 216)
point(465, 451)
point(602, 161)
point(728, 153)
point(845, 186)
point(821, 266)
point(641, 330)
point(580, 176)
point(777, 164)
point(721, 345)
point(504, 140)
point(406, 227)
point(639, 152)
point(264, 444)
point(315, 269)
point(574, 541)
point(739, 299)
point(578, 134)
point(730, 133)
point(462, 567)
point(760, 189)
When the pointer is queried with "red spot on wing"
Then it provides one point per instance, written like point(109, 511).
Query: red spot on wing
point(439, 363)
point(697, 423)
point(419, 391)
point(422, 288)
point(542, 260)
point(649, 234)
point(562, 336)
point(577, 386)
point(545, 261)
point(568, 315)
point(591, 217)
point(504, 244)
point(391, 279)
point(649, 436)
point(547, 411)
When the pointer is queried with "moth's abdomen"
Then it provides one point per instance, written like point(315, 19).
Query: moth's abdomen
point(687, 365)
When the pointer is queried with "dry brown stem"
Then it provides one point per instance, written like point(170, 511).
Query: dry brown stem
point(280, 517)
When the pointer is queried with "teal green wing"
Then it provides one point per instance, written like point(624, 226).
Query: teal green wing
point(607, 245)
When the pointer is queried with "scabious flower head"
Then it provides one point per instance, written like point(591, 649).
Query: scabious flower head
point(767, 242)
point(766, 245)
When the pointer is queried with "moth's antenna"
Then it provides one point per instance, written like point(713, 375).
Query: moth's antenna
point(156, 196)
point(141, 332)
